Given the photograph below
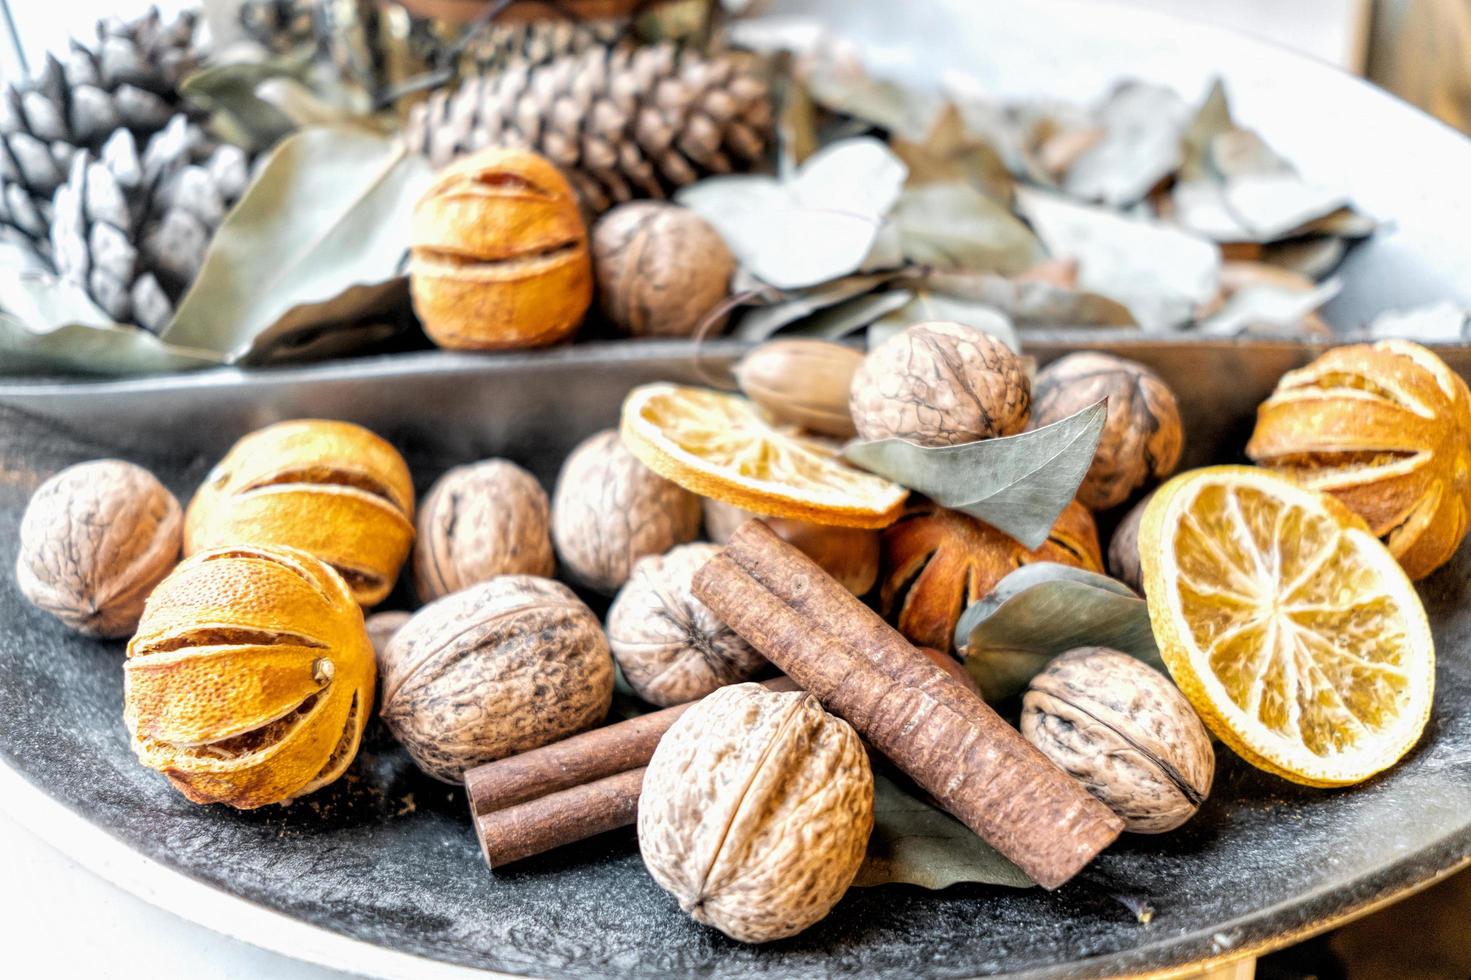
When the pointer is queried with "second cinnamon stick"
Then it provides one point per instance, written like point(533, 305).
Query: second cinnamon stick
point(945, 738)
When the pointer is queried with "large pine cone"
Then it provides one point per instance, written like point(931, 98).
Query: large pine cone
point(126, 79)
point(131, 228)
point(622, 122)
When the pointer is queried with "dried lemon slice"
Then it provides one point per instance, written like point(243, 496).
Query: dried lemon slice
point(720, 446)
point(1289, 626)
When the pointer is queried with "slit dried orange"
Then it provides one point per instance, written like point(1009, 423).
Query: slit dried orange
point(1290, 627)
point(721, 446)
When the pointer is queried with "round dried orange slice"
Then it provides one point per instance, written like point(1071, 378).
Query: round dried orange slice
point(721, 446)
point(1289, 626)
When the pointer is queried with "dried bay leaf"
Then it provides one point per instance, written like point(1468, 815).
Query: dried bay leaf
point(903, 111)
point(1161, 273)
point(762, 322)
point(1444, 323)
point(325, 222)
point(915, 843)
point(956, 226)
point(1267, 311)
point(849, 317)
point(819, 225)
point(926, 305)
point(1032, 303)
point(1141, 144)
point(1041, 611)
point(950, 154)
point(1314, 257)
point(1018, 484)
point(230, 90)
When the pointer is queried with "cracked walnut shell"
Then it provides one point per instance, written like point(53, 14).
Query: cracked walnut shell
point(609, 510)
point(498, 254)
point(669, 645)
point(661, 269)
point(1142, 437)
point(250, 678)
point(940, 384)
point(479, 521)
point(1385, 428)
point(755, 811)
point(936, 562)
point(332, 489)
point(1126, 732)
point(94, 541)
point(499, 668)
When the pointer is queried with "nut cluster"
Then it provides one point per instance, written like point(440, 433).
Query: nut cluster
point(609, 510)
point(1143, 435)
point(94, 541)
point(1125, 731)
point(940, 384)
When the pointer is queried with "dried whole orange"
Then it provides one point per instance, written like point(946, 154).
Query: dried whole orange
point(250, 678)
point(1385, 428)
point(333, 489)
point(937, 561)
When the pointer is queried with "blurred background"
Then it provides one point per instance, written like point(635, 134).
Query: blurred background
point(1417, 49)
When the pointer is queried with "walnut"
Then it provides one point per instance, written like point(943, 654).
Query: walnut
point(479, 521)
point(936, 562)
point(755, 811)
point(848, 554)
point(94, 541)
point(1386, 429)
point(661, 268)
point(1123, 548)
point(1126, 732)
point(940, 384)
point(501, 667)
point(499, 254)
point(609, 510)
point(1143, 436)
point(803, 383)
point(670, 646)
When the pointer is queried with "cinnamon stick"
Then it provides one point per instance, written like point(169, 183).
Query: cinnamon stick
point(551, 821)
point(945, 738)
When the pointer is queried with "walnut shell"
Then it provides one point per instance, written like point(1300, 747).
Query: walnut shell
point(803, 382)
point(848, 554)
point(332, 489)
point(936, 562)
point(661, 269)
point(609, 510)
point(94, 541)
point(479, 521)
point(1143, 435)
point(499, 255)
point(669, 645)
point(250, 679)
point(1126, 732)
point(501, 667)
point(755, 811)
point(940, 384)
point(1385, 428)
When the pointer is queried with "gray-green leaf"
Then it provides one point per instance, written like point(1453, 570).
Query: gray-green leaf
point(956, 226)
point(927, 305)
point(914, 843)
point(1018, 484)
point(1041, 611)
point(761, 322)
point(325, 225)
point(1032, 304)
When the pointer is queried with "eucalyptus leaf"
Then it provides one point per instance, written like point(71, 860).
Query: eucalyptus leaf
point(1031, 303)
point(956, 226)
point(819, 225)
point(1444, 323)
point(927, 305)
point(762, 322)
point(950, 154)
point(1018, 484)
point(914, 843)
point(904, 111)
point(849, 317)
point(1314, 257)
point(1161, 273)
point(1041, 611)
point(49, 325)
point(1267, 311)
point(230, 89)
point(325, 223)
point(1143, 126)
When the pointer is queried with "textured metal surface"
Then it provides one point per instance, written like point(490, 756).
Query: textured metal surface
point(388, 856)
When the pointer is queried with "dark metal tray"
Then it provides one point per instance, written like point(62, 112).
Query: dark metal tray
point(380, 873)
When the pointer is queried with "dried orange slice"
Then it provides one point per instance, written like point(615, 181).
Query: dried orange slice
point(721, 446)
point(1289, 626)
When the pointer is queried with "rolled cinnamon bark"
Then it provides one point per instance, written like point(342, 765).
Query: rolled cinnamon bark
point(944, 737)
point(551, 821)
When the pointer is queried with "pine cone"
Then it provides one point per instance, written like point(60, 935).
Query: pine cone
point(131, 229)
point(126, 79)
point(622, 122)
